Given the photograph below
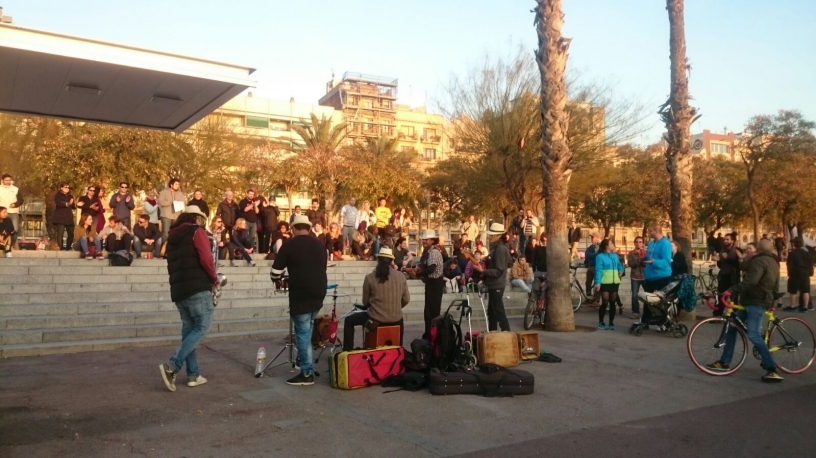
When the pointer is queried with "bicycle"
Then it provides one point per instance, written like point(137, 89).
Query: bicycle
point(536, 304)
point(790, 340)
point(577, 294)
point(705, 282)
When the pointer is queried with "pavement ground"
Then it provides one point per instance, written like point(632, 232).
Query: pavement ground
point(613, 395)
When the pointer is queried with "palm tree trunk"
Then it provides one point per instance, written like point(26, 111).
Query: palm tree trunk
point(556, 157)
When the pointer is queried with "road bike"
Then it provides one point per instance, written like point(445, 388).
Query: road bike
point(577, 294)
point(705, 282)
point(790, 340)
point(536, 304)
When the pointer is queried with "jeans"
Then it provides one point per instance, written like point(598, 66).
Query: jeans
point(265, 238)
point(495, 310)
point(62, 229)
point(196, 319)
point(253, 233)
point(347, 232)
point(752, 317)
point(242, 250)
point(126, 222)
point(526, 286)
point(590, 281)
point(303, 341)
point(165, 227)
point(15, 221)
point(82, 245)
point(635, 289)
point(137, 246)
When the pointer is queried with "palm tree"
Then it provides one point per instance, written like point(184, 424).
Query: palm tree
point(678, 116)
point(319, 143)
point(556, 158)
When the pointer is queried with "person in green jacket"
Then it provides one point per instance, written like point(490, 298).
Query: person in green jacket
point(608, 273)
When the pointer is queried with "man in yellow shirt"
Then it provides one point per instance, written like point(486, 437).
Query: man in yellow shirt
point(382, 212)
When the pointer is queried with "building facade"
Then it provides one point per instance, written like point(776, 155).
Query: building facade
point(709, 144)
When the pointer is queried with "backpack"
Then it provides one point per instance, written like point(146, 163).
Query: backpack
point(445, 339)
point(686, 295)
point(120, 258)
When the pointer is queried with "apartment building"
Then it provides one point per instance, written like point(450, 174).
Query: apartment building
point(709, 144)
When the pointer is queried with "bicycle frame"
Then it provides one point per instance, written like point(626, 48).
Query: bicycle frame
point(773, 322)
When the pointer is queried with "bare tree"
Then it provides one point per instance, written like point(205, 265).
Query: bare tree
point(556, 158)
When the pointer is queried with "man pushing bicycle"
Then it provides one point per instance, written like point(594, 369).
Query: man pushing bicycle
point(756, 291)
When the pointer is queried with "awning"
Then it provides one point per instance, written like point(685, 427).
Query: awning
point(60, 76)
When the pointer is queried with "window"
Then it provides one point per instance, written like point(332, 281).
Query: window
point(428, 133)
point(366, 103)
point(386, 104)
point(429, 154)
point(408, 130)
point(720, 148)
point(254, 121)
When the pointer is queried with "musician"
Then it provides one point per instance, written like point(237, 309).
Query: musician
point(191, 267)
point(430, 270)
point(385, 294)
point(306, 259)
point(495, 278)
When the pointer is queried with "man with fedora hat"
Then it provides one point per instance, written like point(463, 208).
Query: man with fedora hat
point(192, 277)
point(305, 258)
point(385, 293)
point(430, 270)
point(495, 278)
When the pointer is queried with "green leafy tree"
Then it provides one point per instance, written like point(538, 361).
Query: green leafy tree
point(318, 146)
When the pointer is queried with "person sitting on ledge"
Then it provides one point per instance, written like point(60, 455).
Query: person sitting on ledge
point(117, 237)
point(85, 236)
point(385, 293)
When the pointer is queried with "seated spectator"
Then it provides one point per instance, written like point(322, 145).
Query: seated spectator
point(85, 236)
point(362, 242)
point(6, 232)
point(242, 242)
point(317, 231)
point(219, 233)
point(402, 256)
point(385, 293)
point(146, 235)
point(280, 235)
point(472, 275)
point(521, 275)
point(453, 276)
point(116, 236)
point(529, 249)
point(481, 249)
point(334, 242)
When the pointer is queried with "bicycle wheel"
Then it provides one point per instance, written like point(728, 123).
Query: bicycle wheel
point(699, 287)
point(541, 306)
point(793, 345)
point(529, 312)
point(577, 296)
point(706, 342)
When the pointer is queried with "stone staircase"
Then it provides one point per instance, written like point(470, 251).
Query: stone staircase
point(52, 302)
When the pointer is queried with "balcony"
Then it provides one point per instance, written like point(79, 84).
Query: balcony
point(431, 139)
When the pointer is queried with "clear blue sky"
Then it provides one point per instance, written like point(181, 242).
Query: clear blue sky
point(748, 56)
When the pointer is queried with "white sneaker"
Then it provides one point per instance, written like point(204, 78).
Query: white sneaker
point(198, 381)
point(8, 255)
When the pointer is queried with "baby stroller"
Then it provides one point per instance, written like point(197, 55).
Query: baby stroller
point(660, 310)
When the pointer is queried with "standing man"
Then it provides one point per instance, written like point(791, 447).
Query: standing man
point(757, 292)
point(11, 198)
point(192, 278)
point(305, 258)
point(635, 261)
point(171, 205)
point(315, 214)
point(529, 228)
point(711, 245)
point(348, 218)
point(589, 263)
point(574, 236)
point(295, 215)
point(471, 228)
point(382, 213)
point(779, 245)
point(248, 208)
point(227, 210)
point(495, 278)
point(430, 269)
point(728, 260)
point(800, 269)
point(271, 214)
point(121, 203)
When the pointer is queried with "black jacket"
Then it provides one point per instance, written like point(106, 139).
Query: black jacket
point(679, 264)
point(227, 212)
point(271, 215)
point(150, 232)
point(495, 277)
point(187, 276)
point(800, 263)
point(64, 212)
point(539, 259)
point(250, 216)
point(201, 205)
point(305, 258)
point(760, 282)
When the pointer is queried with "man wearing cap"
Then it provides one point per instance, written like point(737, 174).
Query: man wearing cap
point(305, 258)
point(430, 270)
point(192, 278)
point(385, 294)
point(495, 278)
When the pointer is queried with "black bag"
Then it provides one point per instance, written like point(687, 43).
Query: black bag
point(445, 339)
point(408, 381)
point(549, 358)
point(420, 357)
point(502, 383)
point(120, 258)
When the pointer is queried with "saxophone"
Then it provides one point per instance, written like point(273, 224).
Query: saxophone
point(222, 279)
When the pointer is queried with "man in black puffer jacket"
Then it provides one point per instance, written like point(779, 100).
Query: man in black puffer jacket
point(192, 277)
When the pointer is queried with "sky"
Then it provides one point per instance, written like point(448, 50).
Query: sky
point(748, 57)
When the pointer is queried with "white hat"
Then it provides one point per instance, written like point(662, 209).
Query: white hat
point(385, 253)
point(428, 234)
point(302, 220)
point(496, 229)
point(195, 211)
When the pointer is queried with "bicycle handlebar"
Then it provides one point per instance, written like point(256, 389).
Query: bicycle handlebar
point(724, 300)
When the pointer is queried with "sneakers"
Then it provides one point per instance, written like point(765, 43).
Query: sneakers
point(789, 308)
point(635, 316)
point(232, 264)
point(168, 376)
point(611, 327)
point(810, 306)
point(100, 256)
point(802, 310)
point(718, 366)
point(8, 254)
point(251, 263)
point(771, 377)
point(602, 327)
point(88, 257)
point(197, 381)
point(301, 380)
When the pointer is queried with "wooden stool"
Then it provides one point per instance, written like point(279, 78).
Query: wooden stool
point(381, 335)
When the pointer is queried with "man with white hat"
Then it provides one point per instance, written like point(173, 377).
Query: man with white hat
point(192, 277)
point(495, 278)
point(306, 259)
point(385, 294)
point(430, 270)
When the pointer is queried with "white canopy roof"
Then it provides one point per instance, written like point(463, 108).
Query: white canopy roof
point(60, 76)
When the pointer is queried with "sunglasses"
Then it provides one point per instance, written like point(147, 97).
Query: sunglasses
point(123, 187)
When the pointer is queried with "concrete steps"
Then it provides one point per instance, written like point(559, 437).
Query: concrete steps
point(57, 303)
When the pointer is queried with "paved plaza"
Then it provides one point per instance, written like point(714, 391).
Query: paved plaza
point(613, 395)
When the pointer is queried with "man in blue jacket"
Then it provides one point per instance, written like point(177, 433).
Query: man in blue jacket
point(657, 273)
point(589, 262)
